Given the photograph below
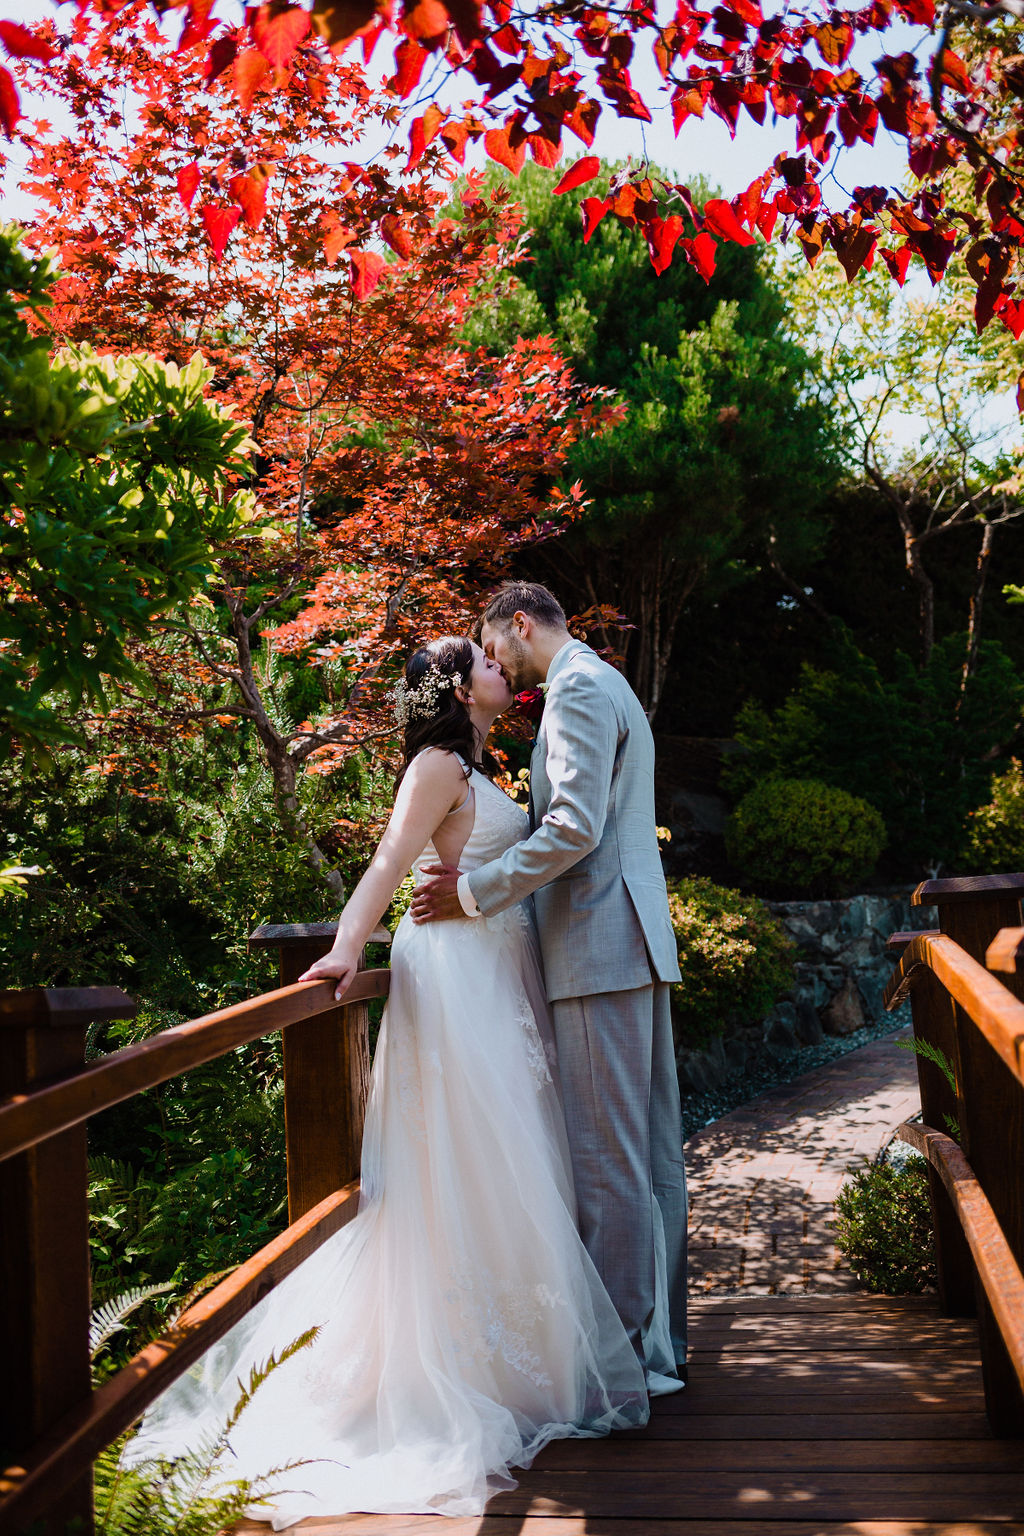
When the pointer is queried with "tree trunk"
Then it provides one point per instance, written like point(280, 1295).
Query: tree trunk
point(925, 591)
point(974, 615)
point(282, 767)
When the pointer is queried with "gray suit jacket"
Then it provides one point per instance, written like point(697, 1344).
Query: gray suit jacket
point(592, 858)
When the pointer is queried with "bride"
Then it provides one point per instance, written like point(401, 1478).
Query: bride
point(461, 1322)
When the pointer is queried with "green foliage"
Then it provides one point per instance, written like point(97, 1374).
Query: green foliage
point(721, 456)
point(800, 836)
point(938, 1058)
point(155, 876)
point(897, 741)
point(109, 1318)
point(602, 301)
point(715, 447)
point(995, 832)
point(884, 1227)
point(735, 958)
point(114, 494)
point(195, 1494)
point(188, 1178)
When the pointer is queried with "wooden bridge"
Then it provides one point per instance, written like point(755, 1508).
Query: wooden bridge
point(805, 1416)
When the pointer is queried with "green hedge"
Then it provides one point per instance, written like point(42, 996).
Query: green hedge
point(995, 832)
point(884, 1227)
point(802, 837)
point(734, 956)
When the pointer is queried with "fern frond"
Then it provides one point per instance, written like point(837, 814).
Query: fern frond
point(259, 1374)
point(931, 1053)
point(109, 1319)
point(200, 1288)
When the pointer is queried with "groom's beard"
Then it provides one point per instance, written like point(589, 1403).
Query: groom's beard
point(519, 671)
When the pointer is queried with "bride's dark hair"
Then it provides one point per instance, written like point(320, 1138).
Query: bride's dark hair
point(434, 716)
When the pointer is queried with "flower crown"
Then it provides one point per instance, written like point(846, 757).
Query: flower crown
point(421, 699)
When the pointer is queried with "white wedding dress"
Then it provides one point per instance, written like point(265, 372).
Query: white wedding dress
point(462, 1323)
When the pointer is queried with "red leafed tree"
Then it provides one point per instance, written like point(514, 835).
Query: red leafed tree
point(536, 72)
point(394, 468)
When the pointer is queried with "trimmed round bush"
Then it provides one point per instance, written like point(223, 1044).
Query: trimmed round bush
point(995, 832)
point(799, 836)
point(884, 1227)
point(734, 956)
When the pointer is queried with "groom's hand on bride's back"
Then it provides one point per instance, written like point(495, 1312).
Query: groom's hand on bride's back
point(438, 897)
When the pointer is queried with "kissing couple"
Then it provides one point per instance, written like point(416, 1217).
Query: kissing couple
point(517, 1269)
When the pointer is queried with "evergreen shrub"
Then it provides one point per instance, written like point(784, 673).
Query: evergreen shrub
point(995, 832)
point(884, 1227)
point(735, 958)
point(906, 741)
point(802, 837)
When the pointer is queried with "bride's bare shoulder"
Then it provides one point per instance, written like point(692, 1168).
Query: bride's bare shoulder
point(436, 767)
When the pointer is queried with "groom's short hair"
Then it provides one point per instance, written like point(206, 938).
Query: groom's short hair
point(524, 597)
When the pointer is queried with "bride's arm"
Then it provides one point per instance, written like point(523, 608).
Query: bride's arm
point(433, 785)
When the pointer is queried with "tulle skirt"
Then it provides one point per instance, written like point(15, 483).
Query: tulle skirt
point(462, 1323)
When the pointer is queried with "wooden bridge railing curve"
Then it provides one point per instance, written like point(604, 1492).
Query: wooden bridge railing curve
point(973, 1126)
point(52, 1424)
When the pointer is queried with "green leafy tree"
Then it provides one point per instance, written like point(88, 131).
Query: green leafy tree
point(721, 459)
point(888, 358)
point(115, 491)
point(896, 741)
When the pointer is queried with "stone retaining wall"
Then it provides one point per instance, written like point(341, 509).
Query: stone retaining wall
point(841, 973)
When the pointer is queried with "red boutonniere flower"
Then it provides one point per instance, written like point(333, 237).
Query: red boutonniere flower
point(530, 703)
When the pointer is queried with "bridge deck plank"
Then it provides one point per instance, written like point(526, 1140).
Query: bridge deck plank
point(805, 1416)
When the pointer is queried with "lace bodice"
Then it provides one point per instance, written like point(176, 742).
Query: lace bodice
point(498, 823)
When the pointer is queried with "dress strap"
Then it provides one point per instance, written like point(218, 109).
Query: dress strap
point(462, 803)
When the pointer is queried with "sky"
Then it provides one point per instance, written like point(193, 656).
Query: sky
point(703, 149)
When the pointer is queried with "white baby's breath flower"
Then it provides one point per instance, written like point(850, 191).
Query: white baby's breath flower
point(421, 699)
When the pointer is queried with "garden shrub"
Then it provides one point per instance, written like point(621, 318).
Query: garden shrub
point(802, 837)
point(884, 1227)
point(995, 832)
point(905, 741)
point(734, 956)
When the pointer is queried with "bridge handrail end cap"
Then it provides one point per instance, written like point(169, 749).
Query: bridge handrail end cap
point(64, 1007)
point(966, 888)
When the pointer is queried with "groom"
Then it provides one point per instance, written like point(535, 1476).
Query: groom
point(593, 867)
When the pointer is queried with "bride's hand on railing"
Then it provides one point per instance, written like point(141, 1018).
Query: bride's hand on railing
point(338, 964)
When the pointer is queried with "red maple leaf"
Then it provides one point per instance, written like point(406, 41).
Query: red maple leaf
point(277, 30)
point(584, 170)
point(219, 224)
point(188, 180)
point(367, 268)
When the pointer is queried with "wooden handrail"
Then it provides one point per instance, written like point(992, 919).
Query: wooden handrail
point(965, 890)
point(997, 1268)
point(896, 943)
point(1006, 949)
point(969, 1027)
point(53, 1424)
point(30, 1118)
point(82, 1434)
point(997, 1013)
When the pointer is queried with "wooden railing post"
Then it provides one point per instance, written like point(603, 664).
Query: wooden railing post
point(44, 1256)
point(989, 1105)
point(326, 1073)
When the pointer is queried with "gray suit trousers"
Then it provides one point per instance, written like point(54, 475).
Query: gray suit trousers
point(617, 1064)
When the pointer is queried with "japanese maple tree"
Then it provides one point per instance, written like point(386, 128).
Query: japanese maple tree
point(394, 467)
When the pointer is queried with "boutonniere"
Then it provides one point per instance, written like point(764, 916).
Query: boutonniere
point(530, 703)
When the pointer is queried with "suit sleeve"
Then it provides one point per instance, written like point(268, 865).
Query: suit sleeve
point(582, 734)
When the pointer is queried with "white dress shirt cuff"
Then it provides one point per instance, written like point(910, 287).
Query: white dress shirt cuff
point(467, 898)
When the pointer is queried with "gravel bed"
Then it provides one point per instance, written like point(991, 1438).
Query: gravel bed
point(768, 1071)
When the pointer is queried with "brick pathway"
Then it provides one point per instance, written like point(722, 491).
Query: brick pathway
point(763, 1179)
